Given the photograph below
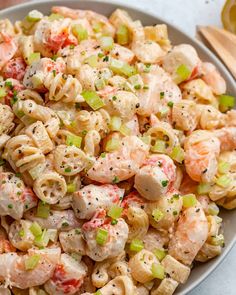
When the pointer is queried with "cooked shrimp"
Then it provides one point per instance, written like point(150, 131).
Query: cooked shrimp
point(15, 198)
point(91, 197)
point(62, 220)
point(121, 164)
point(213, 78)
point(227, 138)
point(190, 235)
point(67, 277)
point(72, 241)
point(161, 90)
point(183, 54)
point(156, 177)
point(12, 267)
point(201, 151)
point(117, 236)
point(8, 48)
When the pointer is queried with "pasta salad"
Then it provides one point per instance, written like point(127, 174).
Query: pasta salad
point(117, 150)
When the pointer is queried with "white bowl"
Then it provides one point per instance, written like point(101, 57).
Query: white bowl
point(200, 272)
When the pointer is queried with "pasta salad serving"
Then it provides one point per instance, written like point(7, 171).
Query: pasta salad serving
point(117, 150)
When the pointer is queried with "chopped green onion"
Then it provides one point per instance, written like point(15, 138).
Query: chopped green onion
point(223, 167)
point(122, 35)
point(162, 95)
point(136, 245)
point(42, 240)
point(115, 212)
point(103, 155)
point(164, 183)
point(92, 99)
point(21, 233)
point(68, 170)
point(114, 222)
point(9, 84)
point(218, 240)
point(92, 60)
point(112, 145)
point(32, 261)
point(223, 181)
point(157, 215)
point(55, 16)
point(33, 57)
point(120, 67)
point(170, 104)
point(158, 271)
point(107, 43)
point(203, 188)
point(34, 16)
point(227, 101)
point(43, 210)
point(80, 32)
point(73, 140)
point(3, 92)
point(10, 206)
point(115, 179)
point(189, 200)
point(160, 253)
point(102, 236)
point(159, 147)
point(115, 123)
point(177, 154)
point(126, 131)
point(71, 187)
point(36, 229)
point(183, 73)
point(213, 209)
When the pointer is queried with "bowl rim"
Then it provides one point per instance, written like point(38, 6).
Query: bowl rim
point(33, 4)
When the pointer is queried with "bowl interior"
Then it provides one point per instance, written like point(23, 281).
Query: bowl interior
point(18, 12)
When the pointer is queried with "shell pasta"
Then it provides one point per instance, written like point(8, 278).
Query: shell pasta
point(117, 150)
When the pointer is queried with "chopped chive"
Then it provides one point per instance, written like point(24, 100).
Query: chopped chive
point(164, 183)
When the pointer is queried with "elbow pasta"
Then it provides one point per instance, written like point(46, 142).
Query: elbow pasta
point(112, 166)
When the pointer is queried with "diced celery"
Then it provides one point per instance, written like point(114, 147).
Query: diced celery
point(223, 181)
point(92, 60)
point(183, 73)
point(122, 35)
point(213, 209)
point(32, 261)
point(37, 170)
point(203, 188)
point(97, 27)
point(136, 245)
point(227, 101)
point(92, 99)
point(115, 123)
point(223, 167)
point(102, 236)
point(55, 16)
point(100, 83)
point(157, 215)
point(34, 16)
point(126, 131)
point(159, 147)
point(80, 32)
point(112, 145)
point(107, 43)
point(115, 211)
point(43, 210)
point(189, 200)
point(33, 57)
point(177, 154)
point(73, 140)
point(160, 254)
point(158, 271)
point(42, 240)
point(71, 187)
point(36, 229)
point(120, 67)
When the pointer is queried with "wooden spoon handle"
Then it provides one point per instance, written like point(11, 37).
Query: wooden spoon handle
point(224, 43)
